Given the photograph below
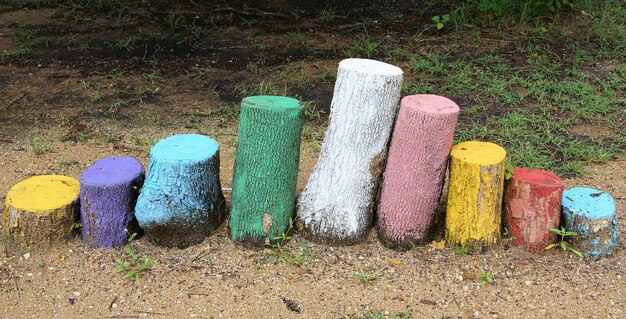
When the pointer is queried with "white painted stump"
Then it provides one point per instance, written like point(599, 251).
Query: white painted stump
point(416, 166)
point(337, 203)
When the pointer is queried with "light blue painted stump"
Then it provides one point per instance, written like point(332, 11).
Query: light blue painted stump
point(591, 214)
point(181, 201)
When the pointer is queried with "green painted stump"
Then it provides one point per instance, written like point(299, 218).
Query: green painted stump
point(266, 168)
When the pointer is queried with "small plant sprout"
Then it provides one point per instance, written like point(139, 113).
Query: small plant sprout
point(368, 278)
point(508, 170)
point(564, 233)
point(507, 236)
point(441, 21)
point(133, 264)
point(485, 277)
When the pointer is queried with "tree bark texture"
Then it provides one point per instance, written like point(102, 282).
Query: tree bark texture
point(40, 212)
point(108, 193)
point(474, 207)
point(533, 205)
point(416, 164)
point(181, 201)
point(337, 203)
point(266, 168)
point(591, 213)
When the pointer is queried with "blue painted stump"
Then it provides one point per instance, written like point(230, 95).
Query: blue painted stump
point(591, 214)
point(181, 201)
point(108, 192)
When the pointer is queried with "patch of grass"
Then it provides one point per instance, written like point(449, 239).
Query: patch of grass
point(368, 278)
point(97, 96)
point(38, 143)
point(327, 15)
point(462, 250)
point(362, 48)
point(301, 40)
point(277, 251)
point(152, 76)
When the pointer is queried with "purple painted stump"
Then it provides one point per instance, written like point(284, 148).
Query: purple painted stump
point(416, 165)
point(108, 192)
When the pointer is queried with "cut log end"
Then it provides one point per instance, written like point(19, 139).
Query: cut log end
point(266, 168)
point(184, 147)
point(430, 104)
point(475, 193)
point(337, 203)
point(373, 67)
point(109, 190)
point(182, 193)
point(533, 206)
point(40, 211)
point(591, 213)
point(415, 169)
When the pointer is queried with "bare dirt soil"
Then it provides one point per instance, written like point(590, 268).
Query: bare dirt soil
point(107, 84)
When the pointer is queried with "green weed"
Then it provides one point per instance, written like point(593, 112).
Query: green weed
point(564, 234)
point(134, 263)
point(462, 250)
point(368, 278)
point(485, 277)
point(277, 252)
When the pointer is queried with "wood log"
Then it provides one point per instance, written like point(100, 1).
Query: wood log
point(416, 165)
point(474, 208)
point(40, 212)
point(533, 205)
point(337, 203)
point(181, 201)
point(108, 193)
point(591, 213)
point(266, 168)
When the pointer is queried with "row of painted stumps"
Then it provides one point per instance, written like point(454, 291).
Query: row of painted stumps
point(181, 201)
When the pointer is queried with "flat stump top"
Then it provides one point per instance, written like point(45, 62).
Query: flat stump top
point(430, 104)
point(537, 177)
point(184, 147)
point(112, 171)
point(589, 203)
point(367, 66)
point(482, 153)
point(272, 102)
point(43, 193)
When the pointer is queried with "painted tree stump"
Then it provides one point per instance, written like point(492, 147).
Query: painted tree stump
point(266, 168)
point(181, 201)
point(475, 190)
point(416, 164)
point(591, 213)
point(533, 205)
point(108, 193)
point(337, 203)
point(40, 212)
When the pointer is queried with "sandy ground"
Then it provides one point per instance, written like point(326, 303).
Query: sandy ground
point(218, 279)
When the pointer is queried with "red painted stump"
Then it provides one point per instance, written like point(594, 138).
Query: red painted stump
point(533, 205)
point(416, 164)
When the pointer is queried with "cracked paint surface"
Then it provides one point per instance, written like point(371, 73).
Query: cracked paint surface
point(592, 214)
point(474, 205)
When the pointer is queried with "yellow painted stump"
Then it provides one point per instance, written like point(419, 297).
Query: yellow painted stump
point(475, 194)
point(39, 212)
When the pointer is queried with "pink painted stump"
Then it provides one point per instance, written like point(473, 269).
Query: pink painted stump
point(533, 205)
point(416, 164)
